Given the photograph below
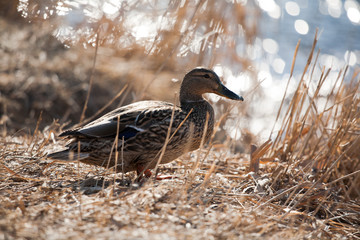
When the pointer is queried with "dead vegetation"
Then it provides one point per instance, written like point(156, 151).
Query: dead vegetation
point(302, 183)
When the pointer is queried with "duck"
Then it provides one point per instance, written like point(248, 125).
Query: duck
point(139, 136)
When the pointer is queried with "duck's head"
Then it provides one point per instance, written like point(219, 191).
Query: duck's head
point(201, 80)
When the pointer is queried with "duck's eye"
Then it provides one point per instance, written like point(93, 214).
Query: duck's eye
point(206, 76)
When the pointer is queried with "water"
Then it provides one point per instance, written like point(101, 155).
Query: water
point(281, 26)
point(338, 23)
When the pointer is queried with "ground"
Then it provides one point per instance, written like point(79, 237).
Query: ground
point(302, 184)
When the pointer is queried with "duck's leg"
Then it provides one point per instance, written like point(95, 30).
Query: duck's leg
point(141, 172)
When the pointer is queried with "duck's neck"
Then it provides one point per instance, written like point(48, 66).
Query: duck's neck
point(200, 109)
point(189, 92)
point(202, 114)
point(190, 95)
point(188, 102)
point(191, 98)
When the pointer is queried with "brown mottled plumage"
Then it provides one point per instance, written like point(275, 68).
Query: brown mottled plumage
point(142, 128)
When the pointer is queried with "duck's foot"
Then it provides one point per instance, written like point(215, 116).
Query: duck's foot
point(163, 177)
point(142, 174)
point(146, 174)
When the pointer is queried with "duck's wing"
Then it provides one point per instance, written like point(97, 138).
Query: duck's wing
point(129, 119)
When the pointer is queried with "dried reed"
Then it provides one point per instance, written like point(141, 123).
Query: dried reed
point(302, 183)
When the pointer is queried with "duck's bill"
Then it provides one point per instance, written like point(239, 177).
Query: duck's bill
point(225, 92)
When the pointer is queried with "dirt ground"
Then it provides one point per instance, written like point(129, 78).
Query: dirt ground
point(218, 192)
point(217, 200)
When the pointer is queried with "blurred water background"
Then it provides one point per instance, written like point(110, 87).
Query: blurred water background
point(283, 24)
point(249, 43)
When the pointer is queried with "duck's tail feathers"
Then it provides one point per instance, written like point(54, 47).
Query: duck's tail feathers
point(68, 155)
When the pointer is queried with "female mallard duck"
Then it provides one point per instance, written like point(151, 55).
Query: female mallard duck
point(142, 129)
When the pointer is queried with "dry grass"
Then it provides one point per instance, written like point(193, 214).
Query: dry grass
point(303, 183)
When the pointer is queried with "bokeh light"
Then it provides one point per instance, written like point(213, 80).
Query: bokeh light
point(353, 15)
point(278, 65)
point(292, 8)
point(350, 58)
point(301, 26)
point(352, 9)
point(270, 46)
